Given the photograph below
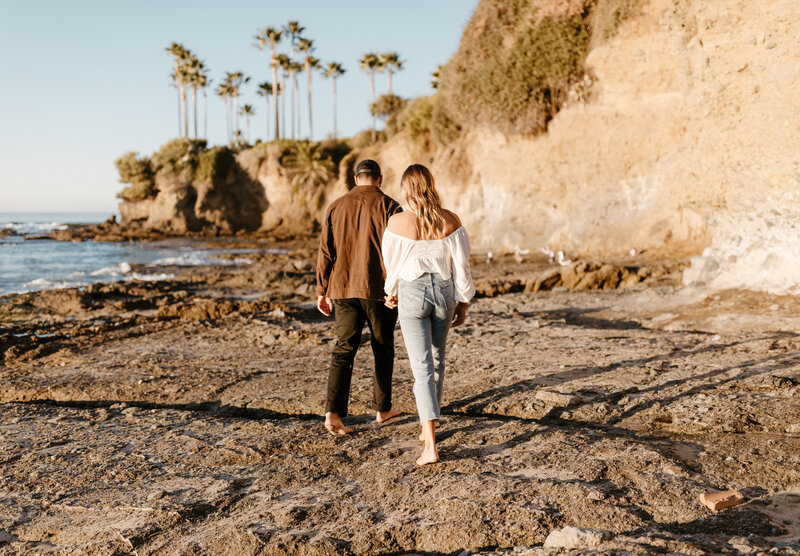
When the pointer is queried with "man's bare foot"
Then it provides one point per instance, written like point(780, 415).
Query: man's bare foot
point(428, 456)
point(334, 425)
point(383, 416)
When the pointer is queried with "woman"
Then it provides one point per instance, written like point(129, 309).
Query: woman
point(426, 254)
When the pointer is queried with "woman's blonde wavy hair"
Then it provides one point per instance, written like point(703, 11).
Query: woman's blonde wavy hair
point(420, 194)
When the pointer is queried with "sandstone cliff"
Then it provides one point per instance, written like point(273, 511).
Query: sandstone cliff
point(682, 138)
point(686, 138)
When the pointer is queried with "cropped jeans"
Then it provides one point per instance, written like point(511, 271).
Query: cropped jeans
point(425, 308)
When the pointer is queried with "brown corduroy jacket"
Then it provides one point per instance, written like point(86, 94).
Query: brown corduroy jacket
point(349, 264)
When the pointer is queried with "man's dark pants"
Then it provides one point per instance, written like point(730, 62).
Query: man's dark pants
point(350, 315)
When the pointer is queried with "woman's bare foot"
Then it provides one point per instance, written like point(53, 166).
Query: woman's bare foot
point(428, 456)
point(428, 437)
point(334, 425)
point(383, 416)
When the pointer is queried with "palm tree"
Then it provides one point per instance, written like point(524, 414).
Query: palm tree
point(265, 90)
point(204, 83)
point(225, 91)
point(296, 67)
point(248, 112)
point(392, 63)
point(236, 80)
point(195, 69)
point(293, 30)
point(282, 61)
point(178, 52)
point(308, 167)
point(333, 72)
point(271, 36)
point(306, 46)
point(183, 76)
point(370, 64)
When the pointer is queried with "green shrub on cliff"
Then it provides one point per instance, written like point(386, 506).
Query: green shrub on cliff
point(138, 173)
point(177, 156)
point(215, 165)
point(518, 60)
point(427, 118)
point(387, 108)
point(513, 72)
point(607, 15)
point(415, 119)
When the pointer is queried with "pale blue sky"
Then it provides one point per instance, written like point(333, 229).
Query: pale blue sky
point(84, 81)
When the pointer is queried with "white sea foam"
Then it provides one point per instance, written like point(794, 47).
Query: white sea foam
point(756, 248)
point(150, 277)
point(120, 269)
point(199, 258)
point(34, 227)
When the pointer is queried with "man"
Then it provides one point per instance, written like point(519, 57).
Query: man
point(350, 272)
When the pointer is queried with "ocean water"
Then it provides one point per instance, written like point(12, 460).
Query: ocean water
point(36, 264)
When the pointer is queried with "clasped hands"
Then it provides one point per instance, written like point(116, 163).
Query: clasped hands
point(459, 316)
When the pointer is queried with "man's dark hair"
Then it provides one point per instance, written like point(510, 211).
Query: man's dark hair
point(368, 167)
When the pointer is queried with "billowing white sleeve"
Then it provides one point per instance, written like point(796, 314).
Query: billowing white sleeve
point(462, 275)
point(392, 251)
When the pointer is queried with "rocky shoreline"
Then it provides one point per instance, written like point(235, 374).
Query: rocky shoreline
point(182, 416)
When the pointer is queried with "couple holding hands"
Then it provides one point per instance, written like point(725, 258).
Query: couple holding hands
point(378, 263)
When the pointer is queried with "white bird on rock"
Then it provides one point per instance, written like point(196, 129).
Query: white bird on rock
point(549, 252)
point(518, 253)
point(562, 260)
point(489, 257)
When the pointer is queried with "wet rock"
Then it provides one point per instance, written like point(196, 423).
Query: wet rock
point(576, 537)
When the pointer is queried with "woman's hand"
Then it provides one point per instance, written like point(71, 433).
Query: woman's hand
point(460, 314)
point(391, 302)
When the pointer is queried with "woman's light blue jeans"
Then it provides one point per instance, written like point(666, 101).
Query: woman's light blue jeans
point(425, 308)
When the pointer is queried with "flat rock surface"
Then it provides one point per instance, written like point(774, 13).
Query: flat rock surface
point(183, 417)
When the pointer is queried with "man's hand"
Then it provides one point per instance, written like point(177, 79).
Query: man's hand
point(460, 314)
point(324, 305)
point(391, 302)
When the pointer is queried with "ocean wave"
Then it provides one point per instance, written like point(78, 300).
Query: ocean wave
point(120, 269)
point(34, 227)
point(151, 277)
point(199, 258)
point(121, 272)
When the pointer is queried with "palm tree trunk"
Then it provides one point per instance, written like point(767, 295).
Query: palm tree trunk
point(334, 108)
point(178, 90)
point(266, 116)
point(205, 114)
point(185, 111)
point(292, 84)
point(310, 122)
point(283, 102)
point(194, 105)
point(274, 89)
point(372, 91)
point(247, 120)
point(297, 102)
point(228, 125)
point(389, 86)
point(235, 116)
point(291, 102)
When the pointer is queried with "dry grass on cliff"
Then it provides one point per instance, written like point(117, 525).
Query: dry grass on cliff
point(519, 59)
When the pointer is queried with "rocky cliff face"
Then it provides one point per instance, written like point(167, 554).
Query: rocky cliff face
point(686, 138)
point(234, 201)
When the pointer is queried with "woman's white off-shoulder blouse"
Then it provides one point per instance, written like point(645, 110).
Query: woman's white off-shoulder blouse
point(408, 259)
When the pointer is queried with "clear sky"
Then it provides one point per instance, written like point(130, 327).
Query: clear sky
point(83, 81)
